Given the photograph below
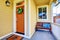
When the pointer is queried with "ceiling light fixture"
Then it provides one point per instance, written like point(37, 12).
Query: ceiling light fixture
point(7, 3)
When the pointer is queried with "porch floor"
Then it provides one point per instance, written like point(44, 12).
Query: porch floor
point(42, 35)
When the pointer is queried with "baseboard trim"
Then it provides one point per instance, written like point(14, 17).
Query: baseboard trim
point(5, 35)
point(22, 35)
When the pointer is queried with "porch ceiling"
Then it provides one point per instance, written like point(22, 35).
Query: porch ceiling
point(43, 2)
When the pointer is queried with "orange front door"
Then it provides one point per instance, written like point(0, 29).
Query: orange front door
point(20, 20)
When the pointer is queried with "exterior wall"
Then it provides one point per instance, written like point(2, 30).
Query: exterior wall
point(32, 12)
point(6, 16)
point(48, 14)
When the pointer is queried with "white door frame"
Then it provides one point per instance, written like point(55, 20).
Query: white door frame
point(14, 19)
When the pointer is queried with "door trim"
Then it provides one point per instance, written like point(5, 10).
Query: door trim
point(14, 18)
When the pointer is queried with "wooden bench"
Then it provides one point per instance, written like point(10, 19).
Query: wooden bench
point(39, 25)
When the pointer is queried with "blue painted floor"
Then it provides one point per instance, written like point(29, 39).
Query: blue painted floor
point(41, 35)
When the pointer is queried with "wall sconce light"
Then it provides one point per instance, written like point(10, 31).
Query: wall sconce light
point(7, 3)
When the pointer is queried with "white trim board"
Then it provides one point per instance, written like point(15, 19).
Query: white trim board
point(22, 35)
point(14, 17)
point(5, 35)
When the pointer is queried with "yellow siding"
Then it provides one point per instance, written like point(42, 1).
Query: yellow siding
point(6, 18)
point(50, 13)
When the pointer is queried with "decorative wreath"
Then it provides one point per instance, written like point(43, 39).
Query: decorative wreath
point(20, 10)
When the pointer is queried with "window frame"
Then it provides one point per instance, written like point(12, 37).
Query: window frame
point(46, 13)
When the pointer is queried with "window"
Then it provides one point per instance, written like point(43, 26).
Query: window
point(42, 13)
